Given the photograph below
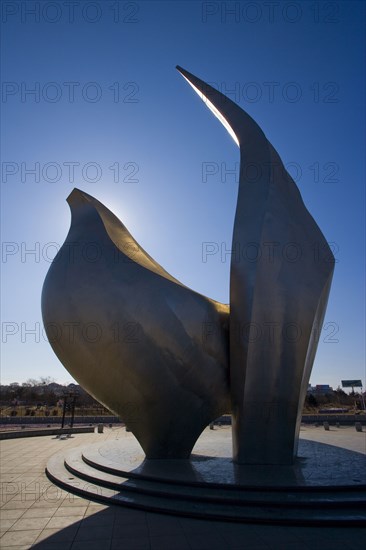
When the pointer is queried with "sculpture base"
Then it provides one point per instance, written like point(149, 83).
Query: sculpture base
point(326, 486)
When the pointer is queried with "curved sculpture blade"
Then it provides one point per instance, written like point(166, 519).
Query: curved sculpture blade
point(281, 272)
point(147, 347)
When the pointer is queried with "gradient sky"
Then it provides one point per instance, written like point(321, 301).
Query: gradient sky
point(107, 94)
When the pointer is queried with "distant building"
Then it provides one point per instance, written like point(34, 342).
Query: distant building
point(320, 389)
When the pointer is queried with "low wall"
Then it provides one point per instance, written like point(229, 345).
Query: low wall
point(57, 420)
point(14, 434)
point(344, 419)
point(332, 419)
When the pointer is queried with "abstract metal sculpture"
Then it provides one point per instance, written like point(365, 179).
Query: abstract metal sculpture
point(140, 341)
point(281, 271)
point(132, 335)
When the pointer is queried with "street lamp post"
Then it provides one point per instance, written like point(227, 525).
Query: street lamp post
point(69, 404)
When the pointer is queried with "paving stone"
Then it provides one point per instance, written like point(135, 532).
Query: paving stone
point(99, 519)
point(25, 524)
point(65, 511)
point(100, 532)
point(17, 505)
point(10, 514)
point(18, 538)
point(168, 542)
point(77, 523)
point(63, 521)
point(39, 512)
point(92, 545)
point(205, 541)
point(58, 535)
point(131, 543)
point(6, 524)
point(44, 545)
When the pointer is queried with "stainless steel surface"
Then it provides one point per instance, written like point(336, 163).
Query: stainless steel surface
point(157, 353)
point(281, 272)
point(133, 336)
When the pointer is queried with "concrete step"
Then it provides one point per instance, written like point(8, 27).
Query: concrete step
point(69, 471)
point(265, 496)
point(319, 468)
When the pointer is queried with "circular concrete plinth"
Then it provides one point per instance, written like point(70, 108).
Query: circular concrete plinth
point(317, 465)
point(326, 485)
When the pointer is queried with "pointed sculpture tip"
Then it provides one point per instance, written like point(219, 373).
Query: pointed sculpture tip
point(78, 195)
point(181, 70)
point(74, 193)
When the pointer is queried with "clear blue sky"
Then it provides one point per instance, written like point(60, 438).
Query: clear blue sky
point(107, 95)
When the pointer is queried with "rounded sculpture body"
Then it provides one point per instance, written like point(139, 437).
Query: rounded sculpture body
point(150, 349)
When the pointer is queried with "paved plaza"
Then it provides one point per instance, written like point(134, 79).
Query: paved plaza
point(35, 513)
